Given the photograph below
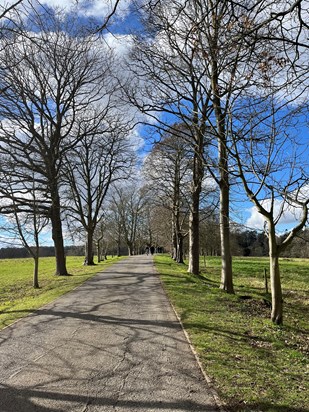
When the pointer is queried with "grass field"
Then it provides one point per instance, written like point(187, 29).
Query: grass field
point(18, 297)
point(254, 365)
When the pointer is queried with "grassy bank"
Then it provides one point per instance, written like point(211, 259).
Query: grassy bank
point(18, 297)
point(255, 365)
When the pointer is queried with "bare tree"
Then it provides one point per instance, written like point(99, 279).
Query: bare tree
point(129, 204)
point(210, 234)
point(23, 219)
point(114, 225)
point(199, 58)
point(266, 123)
point(172, 83)
point(48, 79)
point(272, 162)
point(168, 171)
point(287, 20)
point(109, 16)
point(195, 63)
point(102, 157)
point(99, 236)
point(6, 9)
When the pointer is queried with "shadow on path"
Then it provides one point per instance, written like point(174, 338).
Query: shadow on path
point(29, 400)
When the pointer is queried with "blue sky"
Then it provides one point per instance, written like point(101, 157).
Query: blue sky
point(123, 24)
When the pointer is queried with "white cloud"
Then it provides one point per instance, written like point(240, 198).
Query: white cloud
point(102, 8)
point(136, 140)
point(94, 8)
point(90, 8)
point(121, 44)
point(290, 215)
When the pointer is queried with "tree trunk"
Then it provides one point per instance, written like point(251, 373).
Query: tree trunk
point(226, 257)
point(174, 240)
point(130, 250)
point(99, 242)
point(194, 226)
point(180, 248)
point(36, 272)
point(58, 238)
point(276, 291)
point(99, 251)
point(226, 271)
point(89, 255)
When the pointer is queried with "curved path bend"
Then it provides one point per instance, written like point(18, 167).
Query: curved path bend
point(113, 344)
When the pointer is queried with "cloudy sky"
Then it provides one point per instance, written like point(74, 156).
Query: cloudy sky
point(99, 9)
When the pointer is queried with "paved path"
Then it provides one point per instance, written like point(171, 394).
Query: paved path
point(113, 344)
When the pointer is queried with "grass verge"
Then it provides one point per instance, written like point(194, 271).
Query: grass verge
point(17, 296)
point(255, 365)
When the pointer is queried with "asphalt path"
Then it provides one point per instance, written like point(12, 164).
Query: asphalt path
point(112, 344)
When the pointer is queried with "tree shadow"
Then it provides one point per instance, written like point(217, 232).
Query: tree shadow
point(29, 400)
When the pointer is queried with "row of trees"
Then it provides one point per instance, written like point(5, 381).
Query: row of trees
point(223, 85)
point(154, 228)
point(63, 138)
point(226, 85)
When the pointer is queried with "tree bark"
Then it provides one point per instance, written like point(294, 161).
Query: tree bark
point(180, 248)
point(194, 229)
point(130, 250)
point(99, 251)
point(276, 290)
point(58, 238)
point(89, 255)
point(174, 238)
point(36, 272)
point(118, 248)
point(226, 257)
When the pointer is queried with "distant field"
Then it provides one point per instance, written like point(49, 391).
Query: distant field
point(18, 297)
point(254, 365)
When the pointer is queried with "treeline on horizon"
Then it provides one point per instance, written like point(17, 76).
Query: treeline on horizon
point(12, 252)
point(253, 243)
point(244, 243)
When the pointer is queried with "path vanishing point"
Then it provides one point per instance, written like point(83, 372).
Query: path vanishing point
point(112, 344)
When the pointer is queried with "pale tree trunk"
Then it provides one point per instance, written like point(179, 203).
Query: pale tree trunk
point(194, 217)
point(174, 246)
point(36, 252)
point(174, 238)
point(36, 272)
point(226, 257)
point(276, 290)
point(99, 251)
point(194, 243)
point(179, 238)
point(99, 244)
point(130, 249)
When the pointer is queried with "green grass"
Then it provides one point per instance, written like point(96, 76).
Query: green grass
point(17, 296)
point(254, 365)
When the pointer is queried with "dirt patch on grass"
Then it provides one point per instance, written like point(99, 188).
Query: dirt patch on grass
point(255, 307)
